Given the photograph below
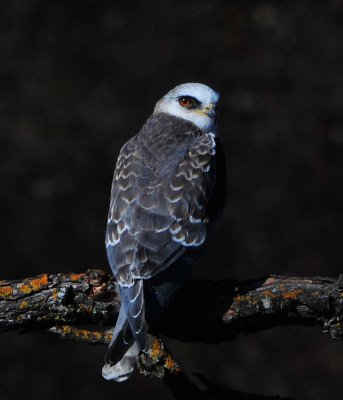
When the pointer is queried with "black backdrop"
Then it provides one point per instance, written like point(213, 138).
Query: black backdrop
point(79, 78)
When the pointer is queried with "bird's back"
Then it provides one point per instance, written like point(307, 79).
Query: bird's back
point(158, 195)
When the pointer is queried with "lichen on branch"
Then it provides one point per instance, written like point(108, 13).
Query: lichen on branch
point(47, 300)
point(203, 311)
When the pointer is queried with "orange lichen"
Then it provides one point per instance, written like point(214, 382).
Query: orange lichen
point(76, 333)
point(171, 365)
point(33, 285)
point(247, 298)
point(292, 295)
point(25, 288)
point(85, 335)
point(66, 329)
point(6, 291)
point(39, 282)
point(76, 277)
point(55, 294)
point(158, 354)
point(156, 349)
point(269, 293)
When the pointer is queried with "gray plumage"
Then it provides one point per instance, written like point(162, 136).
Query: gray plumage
point(162, 185)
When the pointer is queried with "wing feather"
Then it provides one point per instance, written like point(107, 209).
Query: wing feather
point(163, 180)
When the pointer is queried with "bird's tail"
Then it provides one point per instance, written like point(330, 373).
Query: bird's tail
point(122, 370)
point(129, 335)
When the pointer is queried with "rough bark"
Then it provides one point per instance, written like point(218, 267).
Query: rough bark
point(56, 299)
point(204, 311)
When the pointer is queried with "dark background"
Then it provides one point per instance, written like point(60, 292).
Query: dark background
point(79, 78)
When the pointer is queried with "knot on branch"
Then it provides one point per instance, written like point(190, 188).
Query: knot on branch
point(101, 286)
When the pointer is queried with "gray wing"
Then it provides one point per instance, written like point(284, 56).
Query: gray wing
point(162, 183)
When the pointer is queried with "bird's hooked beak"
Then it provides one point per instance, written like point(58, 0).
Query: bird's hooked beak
point(208, 111)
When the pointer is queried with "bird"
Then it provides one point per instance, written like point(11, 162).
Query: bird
point(167, 196)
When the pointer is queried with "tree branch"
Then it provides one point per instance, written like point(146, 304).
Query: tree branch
point(203, 311)
point(43, 301)
point(217, 311)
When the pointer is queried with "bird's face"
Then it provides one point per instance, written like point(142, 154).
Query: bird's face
point(194, 102)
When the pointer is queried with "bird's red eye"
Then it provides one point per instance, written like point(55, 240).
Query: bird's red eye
point(186, 102)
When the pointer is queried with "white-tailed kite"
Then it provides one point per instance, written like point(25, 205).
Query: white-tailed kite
point(168, 189)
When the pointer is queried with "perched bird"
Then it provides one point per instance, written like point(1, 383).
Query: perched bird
point(168, 190)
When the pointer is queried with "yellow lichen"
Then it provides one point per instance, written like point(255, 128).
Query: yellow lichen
point(23, 304)
point(55, 294)
point(85, 335)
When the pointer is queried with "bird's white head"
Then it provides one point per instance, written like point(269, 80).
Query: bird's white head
point(194, 102)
